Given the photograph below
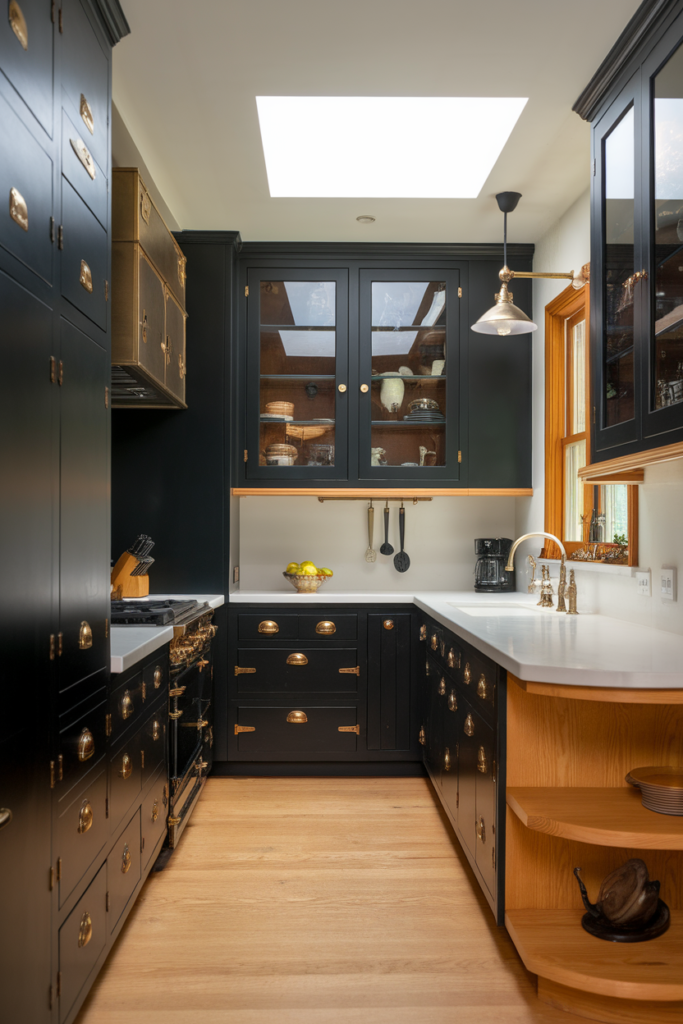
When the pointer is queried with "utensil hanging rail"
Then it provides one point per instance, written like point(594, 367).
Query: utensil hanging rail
point(375, 497)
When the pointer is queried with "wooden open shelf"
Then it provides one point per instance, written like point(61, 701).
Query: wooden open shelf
point(606, 816)
point(379, 493)
point(553, 944)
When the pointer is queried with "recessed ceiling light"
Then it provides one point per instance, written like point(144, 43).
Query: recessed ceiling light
point(365, 218)
point(426, 147)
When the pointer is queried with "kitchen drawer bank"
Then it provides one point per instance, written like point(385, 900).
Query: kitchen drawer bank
point(329, 690)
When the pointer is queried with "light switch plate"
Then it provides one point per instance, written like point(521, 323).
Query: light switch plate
point(668, 583)
point(643, 581)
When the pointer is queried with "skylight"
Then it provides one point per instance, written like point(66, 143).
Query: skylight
point(425, 147)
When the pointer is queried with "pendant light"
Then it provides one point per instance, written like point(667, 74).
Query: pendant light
point(505, 318)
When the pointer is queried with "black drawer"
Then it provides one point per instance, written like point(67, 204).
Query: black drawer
point(154, 742)
point(297, 670)
point(81, 832)
point(123, 870)
point(29, 68)
point(26, 188)
point(267, 627)
point(82, 938)
point(154, 811)
point(332, 627)
point(271, 732)
point(155, 676)
point(125, 777)
point(85, 78)
point(82, 739)
point(126, 705)
point(84, 258)
point(81, 169)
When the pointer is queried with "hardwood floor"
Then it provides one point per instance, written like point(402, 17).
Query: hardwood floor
point(315, 901)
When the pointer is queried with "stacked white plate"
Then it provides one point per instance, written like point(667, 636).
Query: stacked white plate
point(661, 788)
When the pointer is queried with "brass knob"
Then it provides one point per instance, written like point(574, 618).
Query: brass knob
point(326, 627)
point(482, 687)
point(469, 726)
point(442, 686)
point(297, 717)
point(158, 676)
point(481, 830)
point(126, 769)
point(85, 636)
point(467, 674)
point(297, 659)
point(388, 623)
point(434, 641)
point(421, 738)
point(85, 930)
point(342, 388)
point(86, 745)
point(155, 811)
point(85, 817)
point(423, 632)
point(447, 760)
point(268, 626)
point(156, 730)
point(126, 860)
point(364, 388)
point(452, 701)
point(127, 706)
point(482, 762)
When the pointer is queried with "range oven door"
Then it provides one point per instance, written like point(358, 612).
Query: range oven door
point(191, 729)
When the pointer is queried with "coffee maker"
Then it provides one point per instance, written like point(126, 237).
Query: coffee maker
point(490, 576)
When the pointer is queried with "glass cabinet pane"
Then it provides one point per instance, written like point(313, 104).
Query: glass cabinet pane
point(667, 114)
point(298, 360)
point(619, 271)
point(408, 373)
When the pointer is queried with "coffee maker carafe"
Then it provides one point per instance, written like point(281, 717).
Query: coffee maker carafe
point(490, 576)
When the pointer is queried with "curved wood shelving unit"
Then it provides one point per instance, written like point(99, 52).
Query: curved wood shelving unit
point(604, 694)
point(607, 816)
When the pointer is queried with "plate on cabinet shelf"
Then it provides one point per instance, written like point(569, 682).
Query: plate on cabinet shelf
point(272, 417)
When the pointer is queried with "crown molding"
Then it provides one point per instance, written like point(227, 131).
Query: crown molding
point(109, 14)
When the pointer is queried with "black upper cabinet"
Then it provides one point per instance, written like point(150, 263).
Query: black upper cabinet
point(26, 33)
point(637, 250)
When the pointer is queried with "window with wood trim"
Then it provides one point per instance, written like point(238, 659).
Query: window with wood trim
point(579, 514)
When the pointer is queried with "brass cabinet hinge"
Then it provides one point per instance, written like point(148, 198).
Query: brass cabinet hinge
point(106, 397)
point(52, 229)
point(244, 728)
point(60, 236)
point(52, 647)
point(106, 291)
point(52, 878)
point(459, 456)
point(246, 455)
point(349, 728)
point(239, 671)
point(350, 671)
point(53, 370)
point(60, 380)
point(52, 775)
point(107, 725)
point(107, 902)
point(459, 293)
point(246, 291)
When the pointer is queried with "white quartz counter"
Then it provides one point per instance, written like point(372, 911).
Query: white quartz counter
point(129, 644)
point(538, 645)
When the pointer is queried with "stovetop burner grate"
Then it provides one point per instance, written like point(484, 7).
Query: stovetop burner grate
point(152, 613)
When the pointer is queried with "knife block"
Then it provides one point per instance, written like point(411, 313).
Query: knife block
point(125, 585)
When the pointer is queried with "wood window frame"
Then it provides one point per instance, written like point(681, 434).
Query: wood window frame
point(557, 313)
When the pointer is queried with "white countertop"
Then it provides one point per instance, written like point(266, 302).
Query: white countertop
point(538, 645)
point(129, 644)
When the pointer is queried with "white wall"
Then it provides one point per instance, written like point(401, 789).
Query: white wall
point(439, 539)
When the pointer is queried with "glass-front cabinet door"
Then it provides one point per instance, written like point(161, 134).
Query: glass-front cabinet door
point(409, 375)
point(297, 375)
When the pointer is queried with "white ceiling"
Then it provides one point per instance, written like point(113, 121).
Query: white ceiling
point(186, 79)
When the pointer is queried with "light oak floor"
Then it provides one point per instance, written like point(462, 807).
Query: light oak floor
point(315, 901)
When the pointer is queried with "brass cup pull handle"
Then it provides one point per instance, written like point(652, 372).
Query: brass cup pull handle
point(434, 641)
point(85, 930)
point(422, 739)
point(85, 817)
point(83, 154)
point(453, 659)
point(442, 687)
point(145, 206)
point(447, 760)
point(126, 860)
point(467, 674)
point(85, 277)
point(127, 706)
point(388, 623)
point(86, 745)
point(85, 632)
point(18, 210)
point(469, 726)
point(268, 626)
point(18, 23)
point(483, 687)
point(297, 659)
point(126, 769)
point(482, 761)
point(452, 701)
point(423, 632)
point(481, 830)
point(297, 717)
point(86, 114)
point(158, 676)
point(326, 628)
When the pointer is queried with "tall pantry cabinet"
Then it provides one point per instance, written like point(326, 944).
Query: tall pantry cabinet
point(55, 159)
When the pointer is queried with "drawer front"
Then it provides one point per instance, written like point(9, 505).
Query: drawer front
point(123, 870)
point(160, 246)
point(154, 743)
point(151, 319)
point(282, 730)
point(82, 740)
point(85, 78)
point(26, 190)
point(81, 832)
point(155, 676)
point(81, 169)
point(29, 68)
point(175, 348)
point(125, 777)
point(297, 670)
point(126, 705)
point(324, 627)
point(154, 812)
point(84, 258)
point(268, 626)
point(82, 938)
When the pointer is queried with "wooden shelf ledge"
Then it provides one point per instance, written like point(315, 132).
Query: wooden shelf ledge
point(380, 493)
point(553, 945)
point(618, 470)
point(599, 816)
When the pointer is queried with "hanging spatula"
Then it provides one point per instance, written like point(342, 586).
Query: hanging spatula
point(370, 554)
point(401, 560)
point(387, 548)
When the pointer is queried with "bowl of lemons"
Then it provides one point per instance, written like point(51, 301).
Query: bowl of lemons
point(305, 577)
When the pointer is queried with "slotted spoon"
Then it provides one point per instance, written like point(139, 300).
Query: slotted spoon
point(370, 554)
point(401, 560)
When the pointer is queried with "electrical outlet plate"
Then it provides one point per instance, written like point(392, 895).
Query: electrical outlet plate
point(236, 574)
point(668, 583)
point(643, 582)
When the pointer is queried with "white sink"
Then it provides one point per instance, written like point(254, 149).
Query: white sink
point(497, 609)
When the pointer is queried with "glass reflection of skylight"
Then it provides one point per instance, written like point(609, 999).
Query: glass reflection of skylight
point(619, 159)
point(312, 303)
point(668, 148)
point(386, 343)
point(379, 146)
point(396, 303)
point(310, 344)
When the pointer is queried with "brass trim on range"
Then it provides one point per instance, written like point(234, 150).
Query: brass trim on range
point(85, 816)
point(239, 671)
point(85, 277)
point(85, 930)
point(452, 701)
point(83, 153)
point(268, 626)
point(126, 860)
point(469, 726)
point(350, 671)
point(388, 623)
point(442, 686)
point(127, 706)
point(422, 739)
point(447, 760)
point(483, 688)
point(18, 209)
point(467, 674)
point(177, 691)
point(86, 745)
point(199, 724)
point(482, 761)
point(297, 659)
point(423, 632)
point(244, 728)
point(326, 627)
point(297, 717)
point(158, 676)
point(84, 636)
point(349, 728)
point(86, 114)
point(126, 769)
point(18, 23)
point(174, 715)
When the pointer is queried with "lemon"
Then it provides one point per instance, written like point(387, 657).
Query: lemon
point(309, 570)
point(306, 565)
point(325, 572)
point(293, 569)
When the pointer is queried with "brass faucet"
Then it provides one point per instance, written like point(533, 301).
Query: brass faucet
point(551, 536)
